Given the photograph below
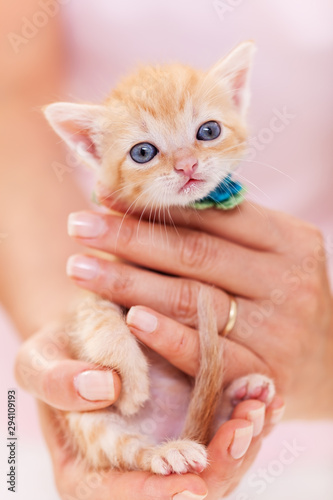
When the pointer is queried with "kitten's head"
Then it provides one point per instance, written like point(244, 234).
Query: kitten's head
point(166, 135)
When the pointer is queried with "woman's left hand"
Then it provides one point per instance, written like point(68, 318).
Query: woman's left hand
point(272, 263)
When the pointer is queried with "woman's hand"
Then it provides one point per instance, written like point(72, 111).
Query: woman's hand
point(273, 264)
point(45, 369)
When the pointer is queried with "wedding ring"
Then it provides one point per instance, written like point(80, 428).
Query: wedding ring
point(232, 317)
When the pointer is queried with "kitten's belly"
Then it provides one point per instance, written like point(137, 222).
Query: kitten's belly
point(163, 415)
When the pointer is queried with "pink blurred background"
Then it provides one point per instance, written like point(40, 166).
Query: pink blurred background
point(293, 168)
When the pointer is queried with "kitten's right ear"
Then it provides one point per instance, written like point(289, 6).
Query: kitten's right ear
point(233, 71)
point(81, 126)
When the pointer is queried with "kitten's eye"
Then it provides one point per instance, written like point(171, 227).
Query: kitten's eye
point(209, 131)
point(143, 152)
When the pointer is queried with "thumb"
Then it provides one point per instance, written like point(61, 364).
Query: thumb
point(44, 368)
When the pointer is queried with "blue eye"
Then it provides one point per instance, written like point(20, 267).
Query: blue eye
point(143, 152)
point(209, 131)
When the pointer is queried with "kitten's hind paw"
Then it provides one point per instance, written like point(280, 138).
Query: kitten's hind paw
point(178, 456)
point(254, 386)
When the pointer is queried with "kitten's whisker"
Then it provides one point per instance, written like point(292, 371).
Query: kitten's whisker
point(254, 185)
point(126, 186)
point(124, 216)
point(172, 221)
point(149, 202)
point(262, 164)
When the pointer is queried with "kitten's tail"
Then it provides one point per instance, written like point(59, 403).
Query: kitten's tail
point(208, 382)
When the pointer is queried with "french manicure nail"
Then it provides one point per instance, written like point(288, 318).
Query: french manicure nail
point(86, 225)
point(82, 267)
point(277, 415)
point(257, 417)
point(95, 385)
point(241, 442)
point(142, 320)
point(188, 495)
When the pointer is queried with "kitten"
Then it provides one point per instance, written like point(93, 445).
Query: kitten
point(166, 136)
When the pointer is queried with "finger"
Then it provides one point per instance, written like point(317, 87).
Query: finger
point(176, 298)
point(263, 417)
point(226, 453)
point(254, 411)
point(128, 285)
point(74, 480)
point(274, 414)
point(249, 224)
point(44, 368)
point(179, 344)
point(183, 252)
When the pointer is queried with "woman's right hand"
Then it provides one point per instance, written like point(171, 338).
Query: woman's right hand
point(44, 368)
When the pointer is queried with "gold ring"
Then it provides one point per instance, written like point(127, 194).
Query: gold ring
point(232, 317)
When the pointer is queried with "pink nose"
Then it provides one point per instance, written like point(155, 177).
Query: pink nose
point(186, 164)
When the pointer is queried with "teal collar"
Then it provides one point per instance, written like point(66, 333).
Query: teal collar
point(228, 194)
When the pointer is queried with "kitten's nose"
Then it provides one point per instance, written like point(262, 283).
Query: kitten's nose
point(186, 163)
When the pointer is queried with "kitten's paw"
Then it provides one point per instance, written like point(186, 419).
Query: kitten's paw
point(131, 402)
point(254, 386)
point(180, 457)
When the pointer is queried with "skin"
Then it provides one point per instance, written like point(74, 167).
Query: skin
point(52, 384)
point(27, 153)
point(216, 248)
point(221, 477)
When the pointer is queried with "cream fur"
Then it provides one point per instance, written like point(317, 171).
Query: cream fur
point(164, 106)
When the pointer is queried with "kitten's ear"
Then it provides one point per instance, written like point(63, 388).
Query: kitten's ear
point(234, 71)
point(81, 126)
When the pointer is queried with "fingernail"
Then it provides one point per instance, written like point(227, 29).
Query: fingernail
point(86, 225)
point(257, 417)
point(142, 320)
point(187, 495)
point(82, 267)
point(277, 415)
point(241, 442)
point(95, 385)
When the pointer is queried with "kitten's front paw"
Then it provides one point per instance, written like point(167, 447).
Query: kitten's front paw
point(254, 386)
point(130, 403)
point(180, 457)
point(135, 387)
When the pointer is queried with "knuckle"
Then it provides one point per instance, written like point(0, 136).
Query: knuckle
point(310, 237)
point(314, 233)
point(197, 250)
point(118, 282)
point(127, 233)
point(184, 302)
point(49, 382)
point(308, 298)
point(179, 345)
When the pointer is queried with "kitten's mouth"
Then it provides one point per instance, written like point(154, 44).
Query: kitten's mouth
point(191, 186)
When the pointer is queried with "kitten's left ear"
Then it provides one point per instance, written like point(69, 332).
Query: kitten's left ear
point(81, 126)
point(234, 71)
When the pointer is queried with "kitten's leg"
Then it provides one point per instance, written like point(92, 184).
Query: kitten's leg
point(101, 336)
point(105, 439)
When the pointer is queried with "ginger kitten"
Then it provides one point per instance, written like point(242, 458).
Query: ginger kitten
point(166, 136)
